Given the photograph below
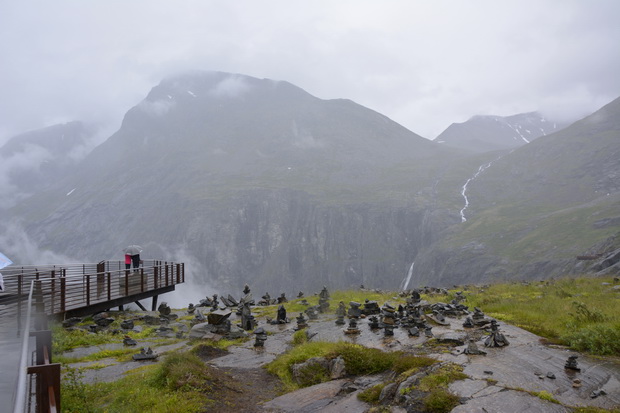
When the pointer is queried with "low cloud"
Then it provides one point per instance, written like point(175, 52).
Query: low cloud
point(231, 87)
point(157, 107)
point(17, 245)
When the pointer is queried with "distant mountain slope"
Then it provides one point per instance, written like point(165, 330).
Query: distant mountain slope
point(535, 209)
point(490, 133)
point(256, 180)
point(34, 160)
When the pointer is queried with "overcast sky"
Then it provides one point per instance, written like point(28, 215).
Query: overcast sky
point(424, 64)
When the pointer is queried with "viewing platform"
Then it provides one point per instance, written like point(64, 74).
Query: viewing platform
point(80, 289)
point(39, 292)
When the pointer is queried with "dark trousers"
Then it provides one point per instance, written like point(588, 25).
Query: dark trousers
point(136, 260)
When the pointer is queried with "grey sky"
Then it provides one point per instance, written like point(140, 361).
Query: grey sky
point(425, 64)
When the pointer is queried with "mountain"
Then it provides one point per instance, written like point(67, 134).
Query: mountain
point(256, 180)
point(34, 160)
point(491, 133)
point(535, 209)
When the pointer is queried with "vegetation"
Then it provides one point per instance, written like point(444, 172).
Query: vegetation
point(442, 378)
point(65, 340)
point(440, 401)
point(148, 388)
point(586, 312)
point(371, 395)
point(586, 317)
point(358, 360)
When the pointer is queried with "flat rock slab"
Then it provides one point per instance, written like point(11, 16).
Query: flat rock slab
point(114, 369)
point(509, 401)
point(317, 398)
point(525, 363)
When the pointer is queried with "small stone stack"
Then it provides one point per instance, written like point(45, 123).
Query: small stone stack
point(261, 337)
point(354, 310)
point(388, 319)
point(352, 328)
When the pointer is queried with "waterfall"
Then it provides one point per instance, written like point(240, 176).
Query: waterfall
point(405, 283)
point(464, 189)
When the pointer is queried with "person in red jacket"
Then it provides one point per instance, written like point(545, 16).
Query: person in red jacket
point(127, 261)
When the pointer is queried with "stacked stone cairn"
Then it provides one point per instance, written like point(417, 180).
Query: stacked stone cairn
point(571, 364)
point(373, 322)
point(371, 308)
point(191, 309)
point(323, 300)
point(219, 321)
point(354, 310)
point(260, 337)
point(281, 316)
point(341, 311)
point(247, 319)
point(301, 322)
point(496, 339)
point(198, 317)
point(352, 328)
point(312, 312)
point(479, 319)
point(266, 300)
point(128, 341)
point(388, 319)
point(165, 313)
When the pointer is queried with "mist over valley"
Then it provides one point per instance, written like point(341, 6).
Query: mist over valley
point(256, 181)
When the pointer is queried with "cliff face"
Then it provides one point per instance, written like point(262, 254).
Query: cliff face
point(252, 181)
point(284, 241)
point(255, 181)
point(534, 210)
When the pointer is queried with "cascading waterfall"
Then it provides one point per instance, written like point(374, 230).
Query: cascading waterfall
point(464, 189)
point(405, 283)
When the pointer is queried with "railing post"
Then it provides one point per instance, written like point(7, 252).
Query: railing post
point(155, 277)
point(53, 291)
point(40, 320)
point(63, 294)
point(178, 273)
point(20, 279)
point(88, 289)
point(142, 279)
point(166, 275)
point(127, 284)
point(109, 285)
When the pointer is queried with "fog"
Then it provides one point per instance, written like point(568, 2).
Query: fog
point(423, 64)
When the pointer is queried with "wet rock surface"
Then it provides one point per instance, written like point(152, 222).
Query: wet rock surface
point(512, 378)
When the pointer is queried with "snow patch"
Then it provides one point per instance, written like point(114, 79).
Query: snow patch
point(191, 93)
point(70, 192)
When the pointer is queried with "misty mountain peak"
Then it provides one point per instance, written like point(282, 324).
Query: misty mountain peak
point(483, 133)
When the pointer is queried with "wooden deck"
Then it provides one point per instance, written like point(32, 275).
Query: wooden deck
point(80, 289)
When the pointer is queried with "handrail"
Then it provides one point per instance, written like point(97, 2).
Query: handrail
point(20, 393)
point(60, 293)
point(64, 289)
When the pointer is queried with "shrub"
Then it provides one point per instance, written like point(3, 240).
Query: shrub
point(371, 394)
point(440, 401)
point(441, 378)
point(597, 339)
point(182, 371)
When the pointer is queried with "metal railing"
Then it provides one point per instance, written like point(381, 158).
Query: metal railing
point(47, 374)
point(69, 287)
point(58, 290)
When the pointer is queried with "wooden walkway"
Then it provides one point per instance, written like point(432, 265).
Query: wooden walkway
point(81, 289)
